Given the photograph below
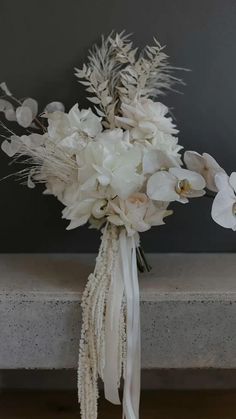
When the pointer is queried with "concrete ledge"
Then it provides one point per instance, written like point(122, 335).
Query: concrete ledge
point(188, 307)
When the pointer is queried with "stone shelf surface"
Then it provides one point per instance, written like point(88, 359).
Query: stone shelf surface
point(188, 310)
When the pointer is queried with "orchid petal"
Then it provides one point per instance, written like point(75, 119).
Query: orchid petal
point(222, 210)
point(194, 161)
point(222, 181)
point(161, 187)
point(232, 180)
point(196, 181)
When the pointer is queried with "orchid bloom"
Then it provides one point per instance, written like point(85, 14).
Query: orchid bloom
point(204, 164)
point(224, 205)
point(175, 185)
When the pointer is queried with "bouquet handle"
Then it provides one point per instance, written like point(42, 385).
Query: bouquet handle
point(110, 336)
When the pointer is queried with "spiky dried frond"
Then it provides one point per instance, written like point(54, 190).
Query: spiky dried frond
point(150, 75)
point(101, 75)
point(44, 163)
point(117, 72)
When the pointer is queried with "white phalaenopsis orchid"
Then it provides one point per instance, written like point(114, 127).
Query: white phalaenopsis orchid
point(204, 164)
point(175, 185)
point(224, 205)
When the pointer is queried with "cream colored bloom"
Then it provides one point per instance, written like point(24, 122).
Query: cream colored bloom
point(72, 131)
point(111, 162)
point(150, 124)
point(204, 164)
point(175, 185)
point(224, 205)
point(80, 211)
point(154, 160)
point(146, 119)
point(137, 213)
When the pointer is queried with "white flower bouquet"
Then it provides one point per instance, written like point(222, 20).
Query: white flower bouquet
point(119, 167)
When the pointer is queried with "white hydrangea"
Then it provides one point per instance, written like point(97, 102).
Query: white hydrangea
point(111, 162)
point(74, 129)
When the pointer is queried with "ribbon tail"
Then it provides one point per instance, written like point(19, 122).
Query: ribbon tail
point(113, 356)
point(135, 384)
point(131, 395)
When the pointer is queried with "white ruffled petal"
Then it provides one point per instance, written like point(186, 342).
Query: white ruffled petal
point(154, 160)
point(125, 182)
point(77, 222)
point(161, 187)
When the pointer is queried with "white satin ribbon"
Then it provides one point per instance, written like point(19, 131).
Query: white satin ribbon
point(111, 374)
point(124, 281)
point(131, 395)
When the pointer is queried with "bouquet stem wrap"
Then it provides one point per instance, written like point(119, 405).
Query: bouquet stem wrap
point(110, 336)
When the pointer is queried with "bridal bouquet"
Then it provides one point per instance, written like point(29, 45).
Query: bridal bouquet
point(117, 166)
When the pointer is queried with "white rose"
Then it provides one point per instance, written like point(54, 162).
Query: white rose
point(72, 131)
point(148, 122)
point(137, 213)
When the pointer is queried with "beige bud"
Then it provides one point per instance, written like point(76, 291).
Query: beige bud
point(99, 208)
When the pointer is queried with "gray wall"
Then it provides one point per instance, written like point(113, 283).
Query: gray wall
point(41, 42)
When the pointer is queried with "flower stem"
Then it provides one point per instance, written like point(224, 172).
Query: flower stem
point(142, 263)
